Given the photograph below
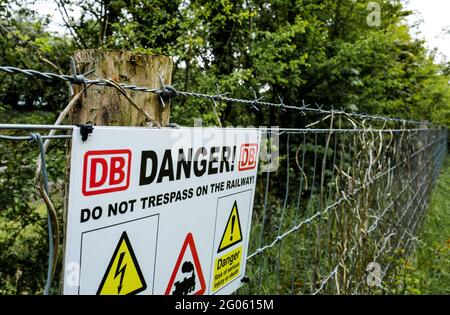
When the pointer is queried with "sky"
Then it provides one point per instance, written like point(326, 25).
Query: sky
point(434, 14)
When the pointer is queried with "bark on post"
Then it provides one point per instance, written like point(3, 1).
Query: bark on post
point(105, 106)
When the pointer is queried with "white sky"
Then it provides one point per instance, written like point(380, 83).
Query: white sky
point(49, 7)
point(434, 14)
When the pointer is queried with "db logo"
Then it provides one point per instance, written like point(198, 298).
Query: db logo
point(248, 156)
point(106, 171)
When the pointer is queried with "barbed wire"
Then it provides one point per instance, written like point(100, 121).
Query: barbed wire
point(36, 127)
point(407, 186)
point(409, 196)
point(326, 279)
point(29, 138)
point(318, 214)
point(419, 199)
point(274, 130)
point(168, 91)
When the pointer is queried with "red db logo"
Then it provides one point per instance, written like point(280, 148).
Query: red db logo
point(106, 171)
point(247, 159)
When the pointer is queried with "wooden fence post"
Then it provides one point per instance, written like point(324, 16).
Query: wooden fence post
point(106, 106)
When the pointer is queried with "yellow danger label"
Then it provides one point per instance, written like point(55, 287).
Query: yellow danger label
point(123, 275)
point(227, 268)
point(232, 234)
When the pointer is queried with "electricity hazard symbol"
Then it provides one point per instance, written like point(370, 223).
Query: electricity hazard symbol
point(232, 233)
point(119, 258)
point(187, 276)
point(123, 275)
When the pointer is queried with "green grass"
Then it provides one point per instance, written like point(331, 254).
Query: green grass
point(427, 271)
point(433, 257)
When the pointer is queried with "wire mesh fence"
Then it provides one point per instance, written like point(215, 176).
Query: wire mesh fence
point(343, 206)
point(341, 209)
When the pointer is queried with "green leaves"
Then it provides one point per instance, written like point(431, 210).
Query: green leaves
point(318, 51)
point(23, 216)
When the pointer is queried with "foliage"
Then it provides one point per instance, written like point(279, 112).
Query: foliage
point(427, 272)
point(23, 216)
point(321, 52)
point(24, 43)
point(316, 51)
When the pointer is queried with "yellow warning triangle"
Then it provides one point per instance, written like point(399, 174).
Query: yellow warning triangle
point(123, 275)
point(232, 234)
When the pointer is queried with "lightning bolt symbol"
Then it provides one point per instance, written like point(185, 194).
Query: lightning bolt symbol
point(120, 271)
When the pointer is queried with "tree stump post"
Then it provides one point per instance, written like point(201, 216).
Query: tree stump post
point(106, 106)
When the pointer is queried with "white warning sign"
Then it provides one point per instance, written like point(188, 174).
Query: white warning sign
point(114, 259)
point(159, 211)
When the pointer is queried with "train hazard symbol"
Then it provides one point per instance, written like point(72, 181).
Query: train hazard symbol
point(187, 276)
point(232, 233)
point(123, 275)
